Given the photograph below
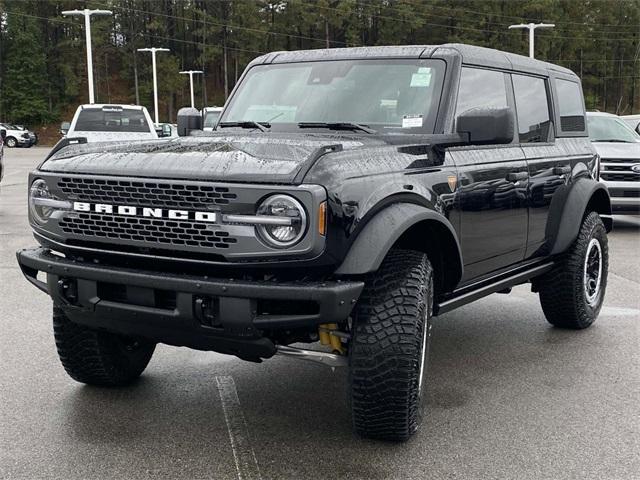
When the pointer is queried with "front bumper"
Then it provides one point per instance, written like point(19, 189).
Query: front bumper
point(625, 197)
point(223, 315)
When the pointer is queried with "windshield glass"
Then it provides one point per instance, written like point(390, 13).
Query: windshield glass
point(610, 129)
point(386, 95)
point(210, 118)
point(111, 120)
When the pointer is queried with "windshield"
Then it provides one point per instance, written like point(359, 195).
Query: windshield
point(610, 129)
point(111, 120)
point(386, 95)
point(211, 118)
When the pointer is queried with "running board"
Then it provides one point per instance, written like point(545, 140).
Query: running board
point(329, 359)
point(491, 286)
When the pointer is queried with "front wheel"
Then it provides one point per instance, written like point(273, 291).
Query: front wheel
point(390, 346)
point(99, 358)
point(11, 142)
point(572, 294)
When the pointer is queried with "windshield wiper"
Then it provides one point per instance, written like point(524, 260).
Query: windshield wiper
point(262, 126)
point(337, 126)
point(612, 140)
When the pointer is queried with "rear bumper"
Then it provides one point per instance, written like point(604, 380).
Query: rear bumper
point(228, 316)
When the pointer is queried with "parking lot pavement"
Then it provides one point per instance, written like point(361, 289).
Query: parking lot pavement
point(510, 396)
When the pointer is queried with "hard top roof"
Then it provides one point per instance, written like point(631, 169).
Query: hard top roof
point(470, 54)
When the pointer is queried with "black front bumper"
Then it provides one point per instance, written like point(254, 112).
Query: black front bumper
point(223, 315)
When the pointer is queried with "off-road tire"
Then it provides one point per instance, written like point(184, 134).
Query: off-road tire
point(563, 295)
point(391, 327)
point(99, 358)
point(11, 142)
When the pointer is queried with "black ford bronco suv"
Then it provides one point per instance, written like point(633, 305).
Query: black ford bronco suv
point(345, 197)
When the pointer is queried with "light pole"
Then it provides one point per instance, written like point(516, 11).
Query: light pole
point(190, 73)
point(153, 51)
point(532, 27)
point(87, 31)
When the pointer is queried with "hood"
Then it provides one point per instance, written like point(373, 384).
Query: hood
point(96, 137)
point(618, 150)
point(256, 158)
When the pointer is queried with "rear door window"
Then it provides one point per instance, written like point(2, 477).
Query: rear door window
point(570, 106)
point(111, 120)
point(532, 109)
point(481, 88)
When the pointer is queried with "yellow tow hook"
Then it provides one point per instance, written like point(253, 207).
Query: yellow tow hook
point(328, 338)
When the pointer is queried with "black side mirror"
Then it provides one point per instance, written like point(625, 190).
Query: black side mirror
point(3, 134)
point(487, 126)
point(189, 119)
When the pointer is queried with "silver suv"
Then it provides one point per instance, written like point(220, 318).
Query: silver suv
point(619, 149)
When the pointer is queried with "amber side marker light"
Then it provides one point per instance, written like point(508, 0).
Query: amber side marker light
point(322, 219)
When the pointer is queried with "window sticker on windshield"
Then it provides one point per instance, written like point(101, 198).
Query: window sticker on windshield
point(412, 121)
point(422, 78)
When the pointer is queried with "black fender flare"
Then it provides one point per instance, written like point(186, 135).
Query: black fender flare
point(567, 210)
point(381, 232)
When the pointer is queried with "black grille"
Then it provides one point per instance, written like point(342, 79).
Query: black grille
point(626, 193)
point(630, 161)
point(620, 177)
point(156, 231)
point(617, 168)
point(160, 194)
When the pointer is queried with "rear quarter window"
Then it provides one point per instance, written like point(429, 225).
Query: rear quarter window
point(98, 120)
point(570, 106)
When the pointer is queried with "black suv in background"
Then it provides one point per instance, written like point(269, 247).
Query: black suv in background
point(346, 197)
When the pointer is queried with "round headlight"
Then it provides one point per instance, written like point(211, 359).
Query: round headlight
point(38, 192)
point(289, 221)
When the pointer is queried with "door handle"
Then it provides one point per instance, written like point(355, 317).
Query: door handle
point(561, 170)
point(517, 176)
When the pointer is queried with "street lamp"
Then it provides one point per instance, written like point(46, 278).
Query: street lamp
point(86, 13)
point(190, 73)
point(153, 51)
point(532, 27)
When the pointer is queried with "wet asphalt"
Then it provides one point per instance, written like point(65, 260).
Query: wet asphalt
point(510, 397)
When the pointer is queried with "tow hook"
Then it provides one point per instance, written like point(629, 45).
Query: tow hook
point(68, 290)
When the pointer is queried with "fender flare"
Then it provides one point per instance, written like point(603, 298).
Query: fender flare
point(380, 234)
point(567, 210)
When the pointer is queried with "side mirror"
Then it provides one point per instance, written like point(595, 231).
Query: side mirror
point(189, 119)
point(163, 130)
point(487, 126)
point(64, 127)
point(3, 134)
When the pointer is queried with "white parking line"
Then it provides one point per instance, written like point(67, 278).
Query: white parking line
point(243, 454)
point(619, 311)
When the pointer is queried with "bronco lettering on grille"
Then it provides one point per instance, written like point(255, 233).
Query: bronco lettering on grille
point(144, 211)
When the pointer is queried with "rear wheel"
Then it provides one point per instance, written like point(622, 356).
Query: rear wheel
point(11, 142)
point(99, 358)
point(390, 346)
point(572, 294)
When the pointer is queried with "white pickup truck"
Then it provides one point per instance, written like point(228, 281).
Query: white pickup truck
point(106, 123)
